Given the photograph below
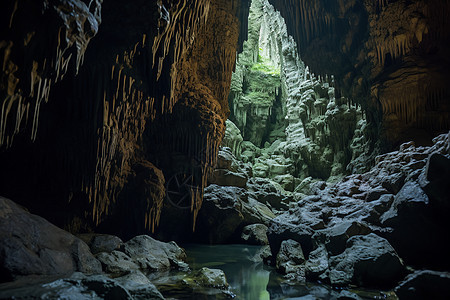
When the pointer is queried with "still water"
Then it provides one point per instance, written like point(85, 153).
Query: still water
point(248, 279)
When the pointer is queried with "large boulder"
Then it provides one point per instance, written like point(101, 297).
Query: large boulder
point(317, 264)
point(134, 286)
point(335, 237)
point(369, 260)
point(424, 284)
point(290, 261)
point(221, 213)
point(255, 234)
point(101, 242)
point(225, 211)
point(415, 226)
point(152, 255)
point(116, 263)
point(30, 245)
point(282, 228)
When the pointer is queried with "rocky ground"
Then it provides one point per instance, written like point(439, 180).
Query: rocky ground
point(41, 261)
point(386, 228)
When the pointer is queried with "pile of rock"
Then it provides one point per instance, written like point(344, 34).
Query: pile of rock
point(41, 261)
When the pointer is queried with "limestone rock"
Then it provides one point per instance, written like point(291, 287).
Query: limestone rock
point(255, 234)
point(228, 178)
point(77, 286)
point(101, 242)
point(152, 255)
point(221, 214)
point(116, 263)
point(317, 264)
point(290, 260)
point(210, 278)
point(232, 138)
point(139, 286)
point(31, 245)
point(367, 261)
point(336, 237)
point(415, 227)
point(424, 284)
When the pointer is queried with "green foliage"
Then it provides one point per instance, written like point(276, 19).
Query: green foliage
point(264, 65)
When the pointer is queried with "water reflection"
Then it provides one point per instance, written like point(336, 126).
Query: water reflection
point(249, 278)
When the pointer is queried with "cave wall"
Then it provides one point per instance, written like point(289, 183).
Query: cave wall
point(114, 109)
point(389, 56)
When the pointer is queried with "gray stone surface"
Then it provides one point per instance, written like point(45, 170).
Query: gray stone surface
point(368, 260)
point(152, 255)
point(31, 245)
point(424, 284)
point(255, 234)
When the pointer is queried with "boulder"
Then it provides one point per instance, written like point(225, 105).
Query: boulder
point(436, 181)
point(255, 234)
point(317, 264)
point(101, 242)
point(281, 229)
point(369, 260)
point(335, 237)
point(225, 177)
point(290, 260)
point(347, 295)
point(221, 213)
point(424, 284)
point(225, 211)
point(139, 286)
point(416, 232)
point(116, 263)
point(152, 255)
point(206, 277)
point(77, 286)
point(31, 245)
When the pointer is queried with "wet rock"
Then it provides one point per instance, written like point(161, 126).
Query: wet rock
point(221, 213)
point(281, 229)
point(255, 234)
point(152, 255)
point(375, 193)
point(228, 178)
point(101, 242)
point(317, 264)
point(31, 245)
point(290, 260)
point(225, 211)
point(78, 286)
point(139, 286)
point(436, 181)
point(367, 261)
point(210, 278)
point(424, 284)
point(414, 226)
point(335, 238)
point(347, 295)
point(116, 263)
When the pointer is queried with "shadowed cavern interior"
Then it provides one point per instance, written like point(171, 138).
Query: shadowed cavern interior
point(289, 148)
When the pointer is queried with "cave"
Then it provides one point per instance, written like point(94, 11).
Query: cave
point(220, 149)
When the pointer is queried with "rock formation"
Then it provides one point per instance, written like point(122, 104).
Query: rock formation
point(114, 119)
point(152, 85)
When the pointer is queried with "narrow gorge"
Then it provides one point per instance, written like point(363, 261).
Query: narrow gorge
point(220, 149)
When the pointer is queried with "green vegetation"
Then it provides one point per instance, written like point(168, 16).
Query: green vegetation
point(264, 65)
